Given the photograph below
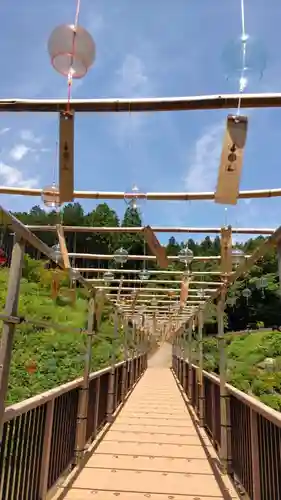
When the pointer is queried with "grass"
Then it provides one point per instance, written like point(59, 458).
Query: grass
point(57, 356)
point(254, 364)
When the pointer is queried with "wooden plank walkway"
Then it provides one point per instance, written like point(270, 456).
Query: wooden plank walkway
point(152, 450)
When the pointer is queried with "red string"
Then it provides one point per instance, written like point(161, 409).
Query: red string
point(70, 76)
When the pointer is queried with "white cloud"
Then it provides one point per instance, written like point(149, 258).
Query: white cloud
point(11, 176)
point(204, 160)
point(28, 135)
point(19, 151)
point(4, 130)
point(131, 81)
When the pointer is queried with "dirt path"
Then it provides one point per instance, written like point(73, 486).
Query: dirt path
point(162, 358)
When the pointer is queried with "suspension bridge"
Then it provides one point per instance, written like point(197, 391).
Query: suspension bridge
point(153, 425)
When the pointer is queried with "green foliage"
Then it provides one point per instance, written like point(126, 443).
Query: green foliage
point(57, 355)
point(253, 363)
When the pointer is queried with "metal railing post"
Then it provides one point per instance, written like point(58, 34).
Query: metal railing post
point(255, 455)
point(111, 383)
point(45, 463)
point(82, 416)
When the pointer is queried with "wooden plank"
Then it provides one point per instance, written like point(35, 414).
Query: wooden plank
point(230, 170)
point(226, 250)
point(184, 291)
point(63, 247)
point(66, 157)
point(155, 247)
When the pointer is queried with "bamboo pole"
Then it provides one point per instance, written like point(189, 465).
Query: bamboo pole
point(82, 417)
point(128, 105)
point(226, 266)
point(155, 229)
point(8, 331)
point(223, 391)
point(200, 367)
point(279, 264)
point(151, 271)
point(190, 324)
point(110, 394)
point(132, 289)
point(143, 257)
point(169, 196)
point(171, 282)
point(125, 366)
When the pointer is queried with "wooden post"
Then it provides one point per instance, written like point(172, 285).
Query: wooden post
point(8, 331)
point(190, 359)
point(84, 389)
point(279, 264)
point(110, 394)
point(125, 366)
point(223, 390)
point(200, 367)
point(44, 472)
point(179, 355)
point(134, 352)
point(184, 359)
point(226, 268)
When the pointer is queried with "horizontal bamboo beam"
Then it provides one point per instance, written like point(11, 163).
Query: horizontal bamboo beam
point(110, 195)
point(159, 301)
point(119, 105)
point(151, 271)
point(130, 288)
point(162, 282)
point(155, 229)
point(141, 257)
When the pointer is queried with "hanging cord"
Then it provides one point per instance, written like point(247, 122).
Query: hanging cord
point(225, 217)
point(70, 74)
point(242, 80)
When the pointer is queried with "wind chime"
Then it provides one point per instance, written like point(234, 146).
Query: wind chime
point(240, 58)
point(72, 52)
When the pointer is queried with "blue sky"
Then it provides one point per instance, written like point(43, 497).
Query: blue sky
point(144, 49)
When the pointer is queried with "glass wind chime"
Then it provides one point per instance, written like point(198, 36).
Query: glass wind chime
point(261, 284)
point(133, 201)
point(186, 257)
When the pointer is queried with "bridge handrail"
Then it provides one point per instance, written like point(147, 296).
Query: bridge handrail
point(17, 409)
point(252, 443)
point(42, 437)
point(269, 413)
